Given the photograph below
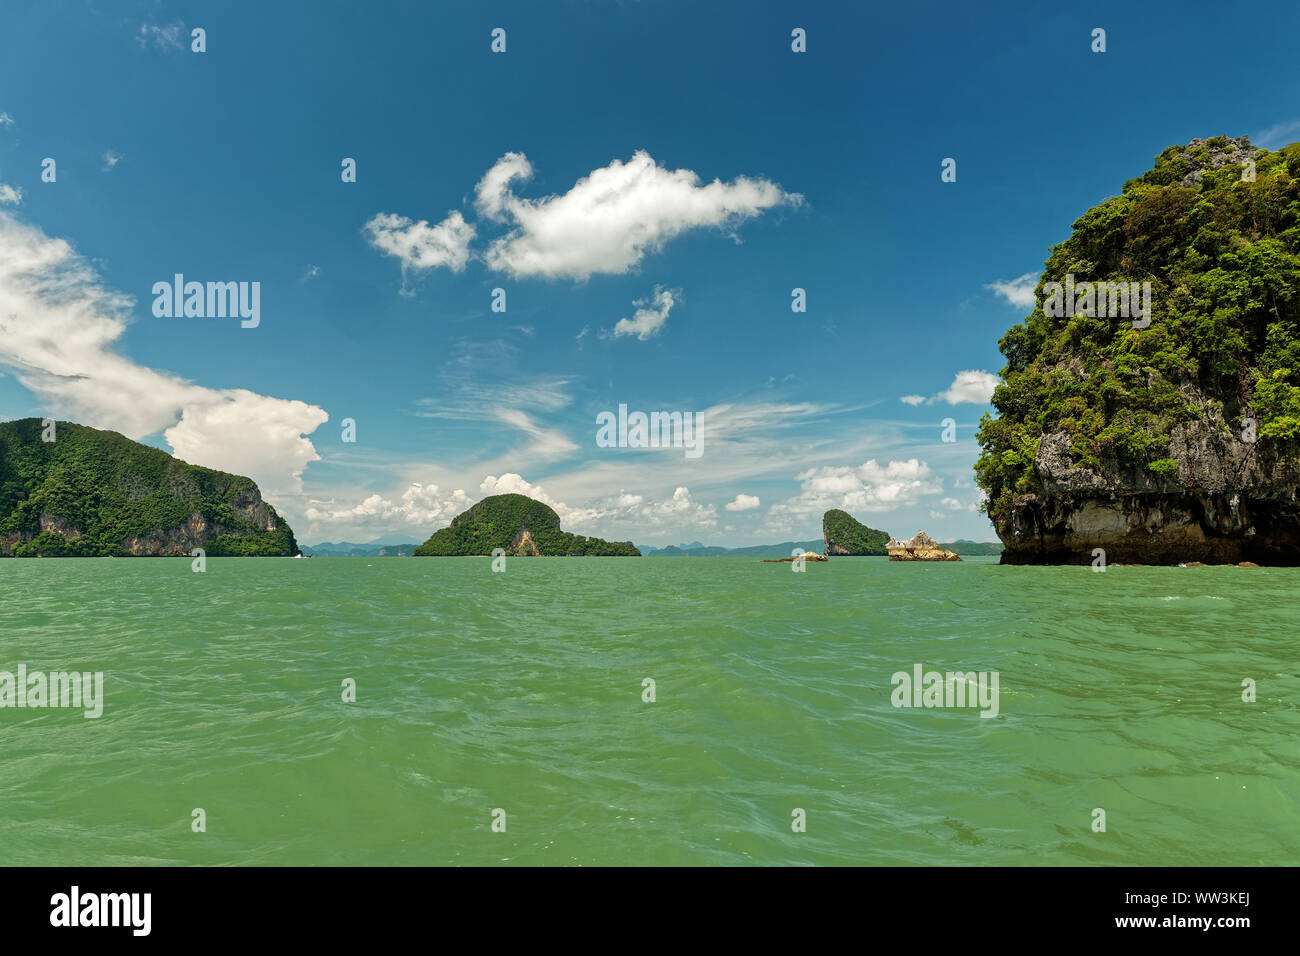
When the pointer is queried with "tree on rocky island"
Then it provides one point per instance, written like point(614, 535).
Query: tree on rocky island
point(521, 527)
point(1177, 441)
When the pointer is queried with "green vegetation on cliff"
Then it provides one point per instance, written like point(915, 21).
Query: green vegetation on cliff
point(844, 534)
point(1222, 254)
point(92, 493)
point(519, 525)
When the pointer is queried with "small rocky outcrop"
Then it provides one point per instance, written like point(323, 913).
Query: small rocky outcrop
point(921, 547)
point(1201, 155)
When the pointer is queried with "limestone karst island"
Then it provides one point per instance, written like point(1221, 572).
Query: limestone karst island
point(1175, 442)
point(519, 526)
point(71, 491)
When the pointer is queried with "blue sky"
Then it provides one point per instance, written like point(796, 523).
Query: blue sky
point(674, 158)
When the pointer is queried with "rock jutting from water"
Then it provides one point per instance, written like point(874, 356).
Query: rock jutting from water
point(1176, 439)
point(67, 490)
point(845, 535)
point(921, 547)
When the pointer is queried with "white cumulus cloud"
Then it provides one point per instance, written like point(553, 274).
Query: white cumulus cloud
point(59, 325)
point(420, 506)
point(418, 245)
point(970, 386)
point(423, 507)
point(743, 503)
point(1019, 291)
point(680, 510)
point(650, 316)
point(612, 218)
point(866, 487)
point(493, 195)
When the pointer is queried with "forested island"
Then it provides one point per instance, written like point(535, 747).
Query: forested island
point(1172, 438)
point(844, 534)
point(92, 493)
point(519, 526)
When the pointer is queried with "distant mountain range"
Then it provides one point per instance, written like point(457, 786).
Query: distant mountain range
point(697, 550)
point(394, 546)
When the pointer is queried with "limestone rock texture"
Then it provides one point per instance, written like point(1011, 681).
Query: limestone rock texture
point(921, 547)
point(1229, 501)
point(1177, 442)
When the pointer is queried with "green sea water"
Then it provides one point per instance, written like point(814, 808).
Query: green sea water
point(523, 691)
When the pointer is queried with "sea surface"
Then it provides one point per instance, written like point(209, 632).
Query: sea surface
point(522, 692)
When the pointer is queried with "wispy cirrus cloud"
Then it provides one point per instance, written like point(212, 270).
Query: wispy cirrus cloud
point(1278, 135)
point(165, 37)
point(467, 395)
point(546, 443)
point(661, 497)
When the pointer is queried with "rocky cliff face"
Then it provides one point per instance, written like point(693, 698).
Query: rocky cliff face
point(1229, 501)
point(248, 509)
point(92, 493)
point(845, 535)
point(1177, 441)
point(522, 545)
